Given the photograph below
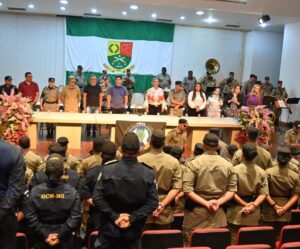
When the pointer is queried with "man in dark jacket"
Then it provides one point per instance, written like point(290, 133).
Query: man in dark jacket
point(125, 194)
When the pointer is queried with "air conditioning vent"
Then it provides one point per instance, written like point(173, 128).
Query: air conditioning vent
point(232, 26)
point(91, 14)
point(16, 9)
point(164, 20)
point(229, 1)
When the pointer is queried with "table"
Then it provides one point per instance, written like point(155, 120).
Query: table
point(70, 125)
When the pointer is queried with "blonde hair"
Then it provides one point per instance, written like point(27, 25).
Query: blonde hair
point(253, 90)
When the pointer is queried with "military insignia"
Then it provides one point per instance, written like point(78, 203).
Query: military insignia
point(119, 55)
point(143, 132)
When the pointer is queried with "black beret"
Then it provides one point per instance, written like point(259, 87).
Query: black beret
point(211, 139)
point(108, 150)
point(249, 151)
point(131, 143)
point(57, 148)
point(63, 141)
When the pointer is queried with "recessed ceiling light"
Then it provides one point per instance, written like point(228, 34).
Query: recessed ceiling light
point(200, 12)
point(124, 13)
point(30, 6)
point(263, 25)
point(94, 11)
point(211, 9)
point(210, 20)
point(63, 8)
point(134, 7)
point(64, 1)
point(153, 15)
point(0, 4)
point(182, 18)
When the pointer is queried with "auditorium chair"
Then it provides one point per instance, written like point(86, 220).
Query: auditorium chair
point(215, 238)
point(295, 217)
point(22, 242)
point(291, 245)
point(161, 239)
point(289, 233)
point(256, 235)
point(254, 246)
point(178, 221)
point(92, 237)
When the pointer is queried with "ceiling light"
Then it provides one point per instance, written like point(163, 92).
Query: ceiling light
point(134, 7)
point(200, 12)
point(94, 11)
point(31, 6)
point(211, 9)
point(182, 18)
point(124, 13)
point(63, 8)
point(154, 15)
point(64, 1)
point(263, 25)
point(210, 20)
point(264, 19)
point(0, 4)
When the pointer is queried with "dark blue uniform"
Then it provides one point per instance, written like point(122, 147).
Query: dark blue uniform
point(53, 209)
point(129, 187)
point(12, 175)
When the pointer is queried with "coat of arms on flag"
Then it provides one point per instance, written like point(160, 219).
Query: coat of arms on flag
point(119, 55)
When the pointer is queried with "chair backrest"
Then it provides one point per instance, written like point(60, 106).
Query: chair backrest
point(295, 217)
point(215, 238)
point(22, 242)
point(92, 237)
point(256, 235)
point(161, 239)
point(291, 245)
point(289, 233)
point(254, 246)
point(178, 221)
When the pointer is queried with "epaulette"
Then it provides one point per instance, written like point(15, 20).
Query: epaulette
point(110, 162)
point(146, 165)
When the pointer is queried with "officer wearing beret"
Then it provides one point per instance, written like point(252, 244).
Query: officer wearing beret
point(53, 208)
point(125, 194)
point(12, 173)
point(284, 190)
point(95, 157)
point(252, 190)
point(168, 179)
point(71, 160)
point(264, 158)
point(7, 87)
point(208, 182)
point(88, 183)
point(178, 136)
point(70, 176)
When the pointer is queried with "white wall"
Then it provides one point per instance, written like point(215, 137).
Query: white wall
point(263, 55)
point(289, 71)
point(194, 46)
point(32, 43)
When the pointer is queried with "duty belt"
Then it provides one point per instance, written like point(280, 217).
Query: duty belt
point(162, 192)
point(50, 102)
point(248, 198)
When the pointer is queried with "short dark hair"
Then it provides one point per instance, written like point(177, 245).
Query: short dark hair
point(26, 74)
point(157, 143)
point(79, 67)
point(231, 73)
point(253, 133)
point(24, 142)
point(118, 77)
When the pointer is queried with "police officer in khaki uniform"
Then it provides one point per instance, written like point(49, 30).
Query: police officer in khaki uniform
point(178, 136)
point(252, 190)
point(168, 179)
point(264, 158)
point(284, 187)
point(208, 182)
point(95, 157)
point(292, 138)
point(71, 96)
point(32, 160)
point(177, 98)
point(49, 102)
point(71, 161)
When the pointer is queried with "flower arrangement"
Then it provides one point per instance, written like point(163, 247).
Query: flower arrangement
point(16, 115)
point(260, 117)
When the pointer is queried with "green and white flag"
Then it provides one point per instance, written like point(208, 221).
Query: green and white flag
point(117, 45)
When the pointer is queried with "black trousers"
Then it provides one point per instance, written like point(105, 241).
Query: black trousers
point(118, 110)
point(8, 230)
point(153, 110)
point(103, 242)
point(193, 113)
